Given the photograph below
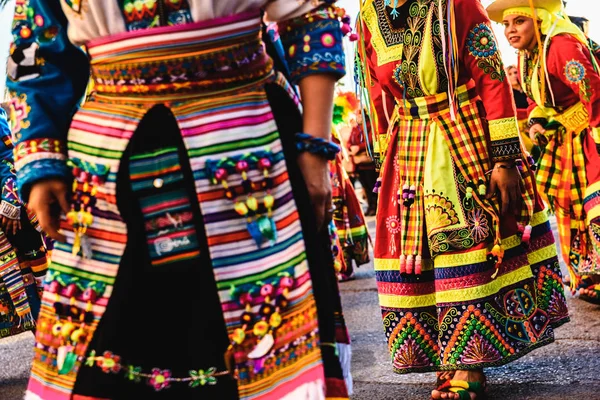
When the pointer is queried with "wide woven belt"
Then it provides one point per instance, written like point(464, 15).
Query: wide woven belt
point(575, 119)
point(200, 57)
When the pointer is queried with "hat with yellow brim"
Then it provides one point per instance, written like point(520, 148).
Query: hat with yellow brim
point(497, 8)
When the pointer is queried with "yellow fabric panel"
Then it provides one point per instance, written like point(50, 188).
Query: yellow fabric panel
point(392, 301)
point(473, 257)
point(438, 167)
point(505, 128)
point(489, 289)
point(542, 254)
point(427, 63)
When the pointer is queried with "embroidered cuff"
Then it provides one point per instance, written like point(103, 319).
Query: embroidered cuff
point(313, 44)
point(504, 135)
point(37, 170)
point(38, 149)
point(534, 121)
point(9, 210)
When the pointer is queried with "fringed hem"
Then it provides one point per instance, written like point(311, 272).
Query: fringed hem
point(345, 357)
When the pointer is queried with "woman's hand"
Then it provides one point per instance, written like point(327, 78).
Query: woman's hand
point(537, 134)
point(506, 182)
point(11, 225)
point(47, 199)
point(315, 170)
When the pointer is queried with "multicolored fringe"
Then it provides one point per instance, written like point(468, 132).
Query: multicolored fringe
point(10, 272)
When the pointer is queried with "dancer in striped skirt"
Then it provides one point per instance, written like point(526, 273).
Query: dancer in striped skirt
point(23, 255)
point(189, 196)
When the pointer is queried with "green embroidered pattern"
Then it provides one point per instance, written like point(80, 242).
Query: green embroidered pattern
point(482, 45)
point(407, 72)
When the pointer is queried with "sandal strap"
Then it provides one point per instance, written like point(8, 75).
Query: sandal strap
point(463, 394)
point(473, 387)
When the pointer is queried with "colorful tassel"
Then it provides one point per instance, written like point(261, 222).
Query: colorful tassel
point(526, 234)
point(410, 263)
point(418, 265)
point(402, 264)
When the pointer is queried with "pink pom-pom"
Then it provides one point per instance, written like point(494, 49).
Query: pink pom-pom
point(346, 29)
point(526, 234)
point(402, 264)
point(353, 37)
point(410, 263)
point(418, 265)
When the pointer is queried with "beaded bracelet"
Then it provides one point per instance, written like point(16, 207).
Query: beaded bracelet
point(535, 121)
point(317, 146)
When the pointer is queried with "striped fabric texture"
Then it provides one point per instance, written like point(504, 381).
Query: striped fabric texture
point(220, 115)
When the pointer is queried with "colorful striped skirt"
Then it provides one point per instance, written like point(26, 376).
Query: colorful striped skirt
point(463, 311)
point(199, 273)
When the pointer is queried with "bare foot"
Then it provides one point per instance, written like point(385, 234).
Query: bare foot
point(468, 376)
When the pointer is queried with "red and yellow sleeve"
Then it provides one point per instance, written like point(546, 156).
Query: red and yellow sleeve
point(382, 101)
point(481, 57)
point(571, 62)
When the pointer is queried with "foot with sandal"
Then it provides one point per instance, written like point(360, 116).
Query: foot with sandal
point(589, 289)
point(460, 385)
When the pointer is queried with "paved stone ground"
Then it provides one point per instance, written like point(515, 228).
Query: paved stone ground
point(567, 369)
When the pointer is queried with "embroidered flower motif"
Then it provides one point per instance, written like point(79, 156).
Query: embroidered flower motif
point(479, 225)
point(392, 223)
point(109, 362)
point(574, 71)
point(439, 212)
point(481, 44)
point(410, 354)
point(159, 379)
point(327, 40)
point(479, 350)
point(201, 377)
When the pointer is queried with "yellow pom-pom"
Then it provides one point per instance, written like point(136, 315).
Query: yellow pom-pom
point(241, 208)
point(269, 201)
point(252, 203)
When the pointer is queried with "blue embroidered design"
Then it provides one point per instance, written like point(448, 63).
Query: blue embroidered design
point(574, 71)
point(481, 44)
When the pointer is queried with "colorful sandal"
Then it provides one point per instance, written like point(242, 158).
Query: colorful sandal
point(591, 295)
point(464, 388)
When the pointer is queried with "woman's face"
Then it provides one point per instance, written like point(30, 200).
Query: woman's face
point(520, 32)
point(513, 76)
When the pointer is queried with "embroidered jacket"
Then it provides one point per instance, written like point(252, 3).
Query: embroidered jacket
point(407, 63)
point(11, 204)
point(572, 78)
point(48, 71)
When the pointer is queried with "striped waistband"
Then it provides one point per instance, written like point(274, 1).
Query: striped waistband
point(201, 57)
point(429, 107)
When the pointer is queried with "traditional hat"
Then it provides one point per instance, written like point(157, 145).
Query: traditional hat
point(497, 8)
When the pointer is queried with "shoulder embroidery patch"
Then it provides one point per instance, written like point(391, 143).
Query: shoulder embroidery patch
point(576, 74)
point(481, 44)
